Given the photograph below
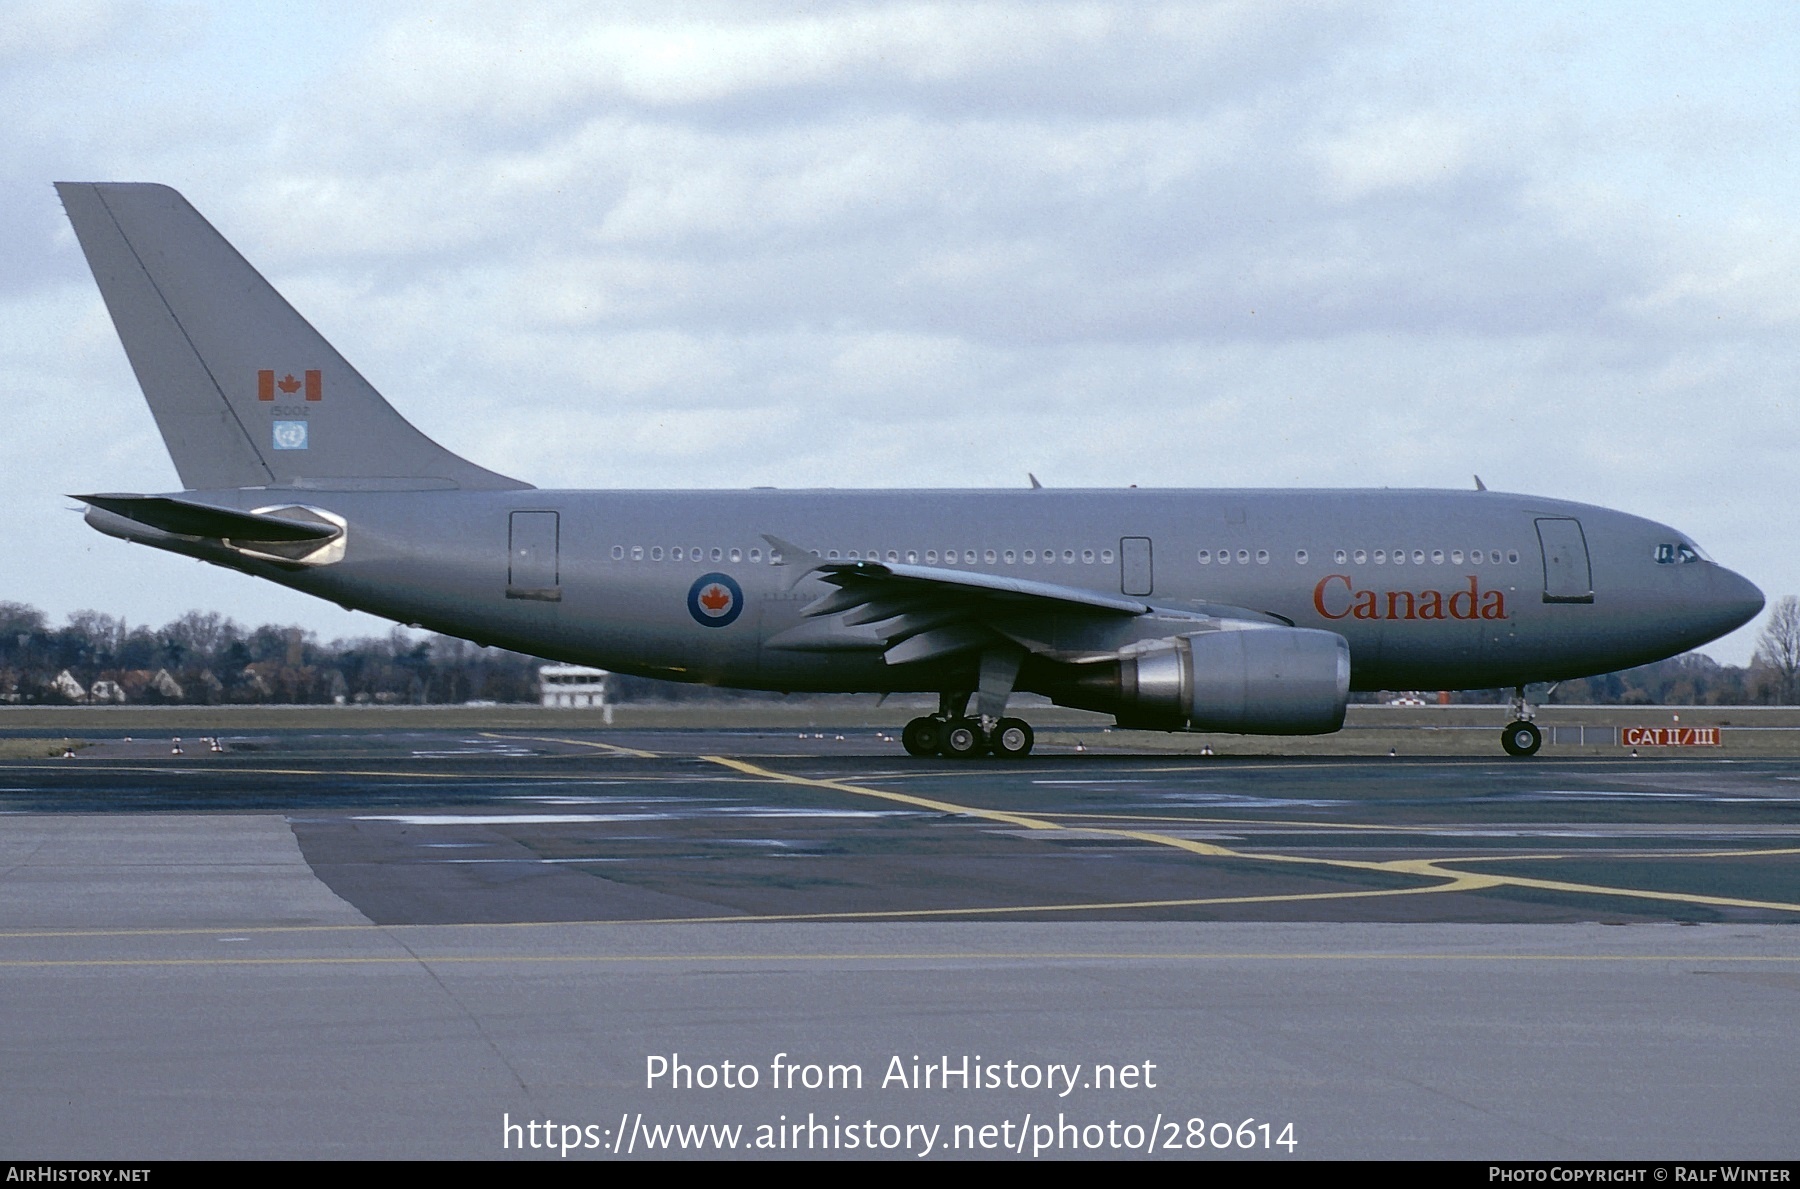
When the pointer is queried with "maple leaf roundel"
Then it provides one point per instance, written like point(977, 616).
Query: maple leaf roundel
point(714, 600)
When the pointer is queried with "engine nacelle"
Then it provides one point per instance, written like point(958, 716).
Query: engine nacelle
point(1249, 681)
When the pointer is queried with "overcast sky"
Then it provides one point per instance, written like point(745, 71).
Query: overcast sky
point(873, 245)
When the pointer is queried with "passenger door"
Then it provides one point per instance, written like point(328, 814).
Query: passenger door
point(1568, 578)
point(533, 562)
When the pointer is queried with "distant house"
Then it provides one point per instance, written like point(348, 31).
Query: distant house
point(209, 681)
point(67, 687)
point(252, 685)
point(570, 686)
point(105, 690)
point(136, 685)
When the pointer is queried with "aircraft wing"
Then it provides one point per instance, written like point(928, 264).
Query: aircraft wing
point(914, 613)
point(862, 583)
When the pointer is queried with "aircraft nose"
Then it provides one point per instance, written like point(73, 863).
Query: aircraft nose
point(1735, 600)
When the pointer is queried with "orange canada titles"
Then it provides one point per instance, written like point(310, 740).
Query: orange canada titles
point(1338, 597)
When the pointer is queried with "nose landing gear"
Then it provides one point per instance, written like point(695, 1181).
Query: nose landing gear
point(1521, 738)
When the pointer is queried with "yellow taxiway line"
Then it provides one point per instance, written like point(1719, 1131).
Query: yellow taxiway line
point(1455, 880)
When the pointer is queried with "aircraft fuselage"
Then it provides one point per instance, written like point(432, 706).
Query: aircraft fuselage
point(1432, 589)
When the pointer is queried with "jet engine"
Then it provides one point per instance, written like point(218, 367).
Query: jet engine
point(1245, 681)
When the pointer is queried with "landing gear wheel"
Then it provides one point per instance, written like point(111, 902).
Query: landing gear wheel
point(1012, 739)
point(963, 739)
point(923, 737)
point(1521, 739)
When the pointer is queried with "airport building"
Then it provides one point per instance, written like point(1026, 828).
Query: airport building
point(572, 686)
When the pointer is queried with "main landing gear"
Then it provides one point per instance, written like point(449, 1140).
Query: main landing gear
point(955, 733)
point(965, 738)
point(1521, 738)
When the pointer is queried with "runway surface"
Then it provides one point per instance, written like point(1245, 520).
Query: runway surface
point(458, 827)
point(396, 943)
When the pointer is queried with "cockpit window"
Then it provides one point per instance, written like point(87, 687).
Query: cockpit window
point(1671, 553)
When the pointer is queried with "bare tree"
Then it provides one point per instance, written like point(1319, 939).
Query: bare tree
point(1778, 646)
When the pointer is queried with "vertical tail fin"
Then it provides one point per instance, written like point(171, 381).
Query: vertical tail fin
point(245, 391)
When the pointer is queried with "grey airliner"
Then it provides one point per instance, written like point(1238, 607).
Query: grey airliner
point(1254, 611)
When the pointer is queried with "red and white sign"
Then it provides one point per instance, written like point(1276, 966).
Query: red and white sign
point(1669, 737)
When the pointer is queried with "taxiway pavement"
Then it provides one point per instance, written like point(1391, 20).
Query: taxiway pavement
point(395, 943)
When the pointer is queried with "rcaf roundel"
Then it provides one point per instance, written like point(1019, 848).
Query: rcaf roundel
point(714, 600)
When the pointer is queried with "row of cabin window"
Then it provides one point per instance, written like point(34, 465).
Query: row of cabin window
point(1049, 556)
point(950, 556)
point(1476, 557)
point(677, 553)
point(970, 557)
point(1340, 557)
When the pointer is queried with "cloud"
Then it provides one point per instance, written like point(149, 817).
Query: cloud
point(59, 29)
point(1414, 150)
point(541, 63)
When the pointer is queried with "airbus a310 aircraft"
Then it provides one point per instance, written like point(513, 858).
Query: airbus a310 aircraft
point(1253, 612)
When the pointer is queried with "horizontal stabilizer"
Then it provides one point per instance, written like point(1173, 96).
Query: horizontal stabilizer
point(199, 520)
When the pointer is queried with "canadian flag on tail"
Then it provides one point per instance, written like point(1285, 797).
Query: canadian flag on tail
point(266, 385)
